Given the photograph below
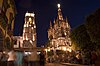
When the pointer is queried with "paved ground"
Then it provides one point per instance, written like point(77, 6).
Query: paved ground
point(54, 64)
point(64, 64)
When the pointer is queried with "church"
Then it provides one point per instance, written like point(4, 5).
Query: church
point(59, 33)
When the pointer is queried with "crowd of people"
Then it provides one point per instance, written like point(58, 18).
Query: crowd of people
point(18, 58)
point(13, 58)
point(85, 57)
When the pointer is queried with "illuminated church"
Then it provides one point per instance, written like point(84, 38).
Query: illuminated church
point(28, 38)
point(59, 32)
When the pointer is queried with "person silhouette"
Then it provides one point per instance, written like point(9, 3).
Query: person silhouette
point(42, 58)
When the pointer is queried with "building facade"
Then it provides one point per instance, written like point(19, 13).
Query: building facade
point(28, 38)
point(27, 42)
point(59, 33)
point(7, 17)
point(29, 31)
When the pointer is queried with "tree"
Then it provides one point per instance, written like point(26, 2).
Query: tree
point(93, 27)
point(7, 43)
point(81, 38)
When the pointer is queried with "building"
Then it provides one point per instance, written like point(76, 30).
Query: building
point(28, 38)
point(59, 33)
point(7, 17)
point(27, 42)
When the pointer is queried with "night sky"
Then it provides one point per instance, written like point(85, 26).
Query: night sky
point(46, 11)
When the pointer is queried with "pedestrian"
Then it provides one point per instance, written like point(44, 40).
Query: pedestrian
point(93, 57)
point(42, 58)
point(0, 57)
point(25, 60)
point(4, 59)
point(12, 57)
point(19, 58)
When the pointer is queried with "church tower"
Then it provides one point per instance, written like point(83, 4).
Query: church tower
point(29, 31)
point(29, 36)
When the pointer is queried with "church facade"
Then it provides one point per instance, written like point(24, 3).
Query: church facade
point(59, 33)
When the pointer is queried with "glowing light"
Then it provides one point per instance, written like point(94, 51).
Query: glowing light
point(34, 26)
point(58, 5)
point(46, 50)
point(33, 22)
point(30, 41)
point(30, 19)
point(25, 25)
point(27, 53)
point(24, 31)
point(69, 50)
point(23, 38)
point(30, 14)
point(64, 48)
point(65, 34)
point(33, 38)
point(26, 38)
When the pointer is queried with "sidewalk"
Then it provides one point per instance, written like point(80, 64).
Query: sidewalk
point(63, 64)
point(70, 64)
point(54, 64)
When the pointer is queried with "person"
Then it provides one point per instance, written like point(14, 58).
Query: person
point(4, 59)
point(19, 58)
point(12, 57)
point(0, 57)
point(42, 58)
point(93, 57)
point(25, 60)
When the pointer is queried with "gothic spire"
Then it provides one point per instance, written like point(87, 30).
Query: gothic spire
point(60, 17)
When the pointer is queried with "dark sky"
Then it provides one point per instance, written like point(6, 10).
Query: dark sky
point(46, 11)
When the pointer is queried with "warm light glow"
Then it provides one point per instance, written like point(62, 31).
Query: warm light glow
point(24, 25)
point(69, 50)
point(29, 25)
point(30, 41)
point(24, 31)
point(27, 14)
point(65, 34)
point(46, 50)
point(27, 53)
point(33, 22)
point(64, 48)
point(23, 38)
point(33, 38)
point(26, 38)
point(58, 5)
point(30, 19)
point(49, 49)
point(34, 26)
point(30, 14)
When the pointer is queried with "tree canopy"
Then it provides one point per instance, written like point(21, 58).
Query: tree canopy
point(81, 38)
point(93, 26)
